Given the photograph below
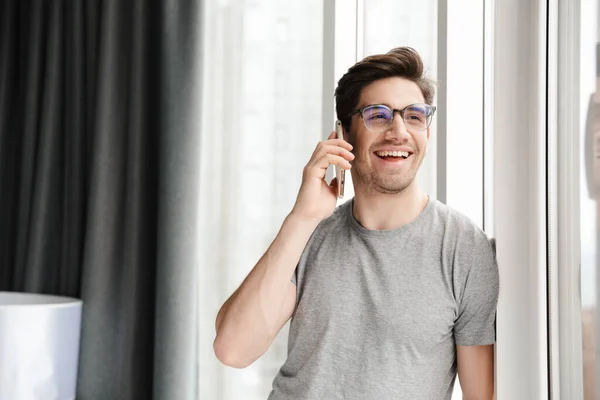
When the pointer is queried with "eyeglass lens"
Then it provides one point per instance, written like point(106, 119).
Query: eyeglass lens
point(379, 118)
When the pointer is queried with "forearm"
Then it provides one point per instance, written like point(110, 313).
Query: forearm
point(250, 319)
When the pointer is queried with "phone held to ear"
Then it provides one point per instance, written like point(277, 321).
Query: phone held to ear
point(340, 173)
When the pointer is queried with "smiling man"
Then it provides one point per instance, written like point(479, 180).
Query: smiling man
point(390, 294)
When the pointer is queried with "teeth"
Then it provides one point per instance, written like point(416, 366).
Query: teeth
point(392, 153)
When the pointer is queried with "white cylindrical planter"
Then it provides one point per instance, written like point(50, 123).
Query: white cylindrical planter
point(39, 346)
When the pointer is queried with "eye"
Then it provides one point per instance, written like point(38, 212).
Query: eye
point(415, 117)
point(377, 116)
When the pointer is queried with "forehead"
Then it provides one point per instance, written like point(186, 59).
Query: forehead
point(394, 92)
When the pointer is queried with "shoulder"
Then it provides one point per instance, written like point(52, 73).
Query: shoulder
point(334, 221)
point(328, 229)
point(321, 236)
point(460, 226)
point(469, 243)
point(469, 252)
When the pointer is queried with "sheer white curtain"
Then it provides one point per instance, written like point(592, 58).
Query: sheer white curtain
point(261, 121)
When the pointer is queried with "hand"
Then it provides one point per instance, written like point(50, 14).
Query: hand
point(316, 199)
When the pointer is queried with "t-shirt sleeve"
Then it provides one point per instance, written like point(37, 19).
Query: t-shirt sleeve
point(476, 321)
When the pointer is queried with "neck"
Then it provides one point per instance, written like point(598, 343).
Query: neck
point(379, 211)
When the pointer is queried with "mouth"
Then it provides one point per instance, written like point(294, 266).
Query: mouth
point(393, 156)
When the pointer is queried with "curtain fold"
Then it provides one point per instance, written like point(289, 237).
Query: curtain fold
point(99, 158)
point(176, 373)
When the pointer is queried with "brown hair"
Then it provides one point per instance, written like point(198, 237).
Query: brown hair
point(402, 62)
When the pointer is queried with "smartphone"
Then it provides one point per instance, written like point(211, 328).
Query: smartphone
point(340, 173)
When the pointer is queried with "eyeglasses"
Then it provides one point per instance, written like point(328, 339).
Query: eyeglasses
point(379, 118)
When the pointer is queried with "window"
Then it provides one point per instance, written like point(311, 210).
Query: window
point(269, 77)
point(589, 139)
point(577, 198)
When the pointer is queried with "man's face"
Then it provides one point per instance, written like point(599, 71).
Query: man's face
point(370, 170)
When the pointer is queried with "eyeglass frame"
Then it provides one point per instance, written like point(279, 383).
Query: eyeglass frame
point(394, 111)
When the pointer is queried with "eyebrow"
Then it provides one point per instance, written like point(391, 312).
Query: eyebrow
point(388, 105)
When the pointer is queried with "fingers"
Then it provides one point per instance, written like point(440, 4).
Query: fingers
point(332, 149)
point(333, 146)
point(316, 168)
point(332, 159)
point(332, 139)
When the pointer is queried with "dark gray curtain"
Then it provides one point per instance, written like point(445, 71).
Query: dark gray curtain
point(99, 158)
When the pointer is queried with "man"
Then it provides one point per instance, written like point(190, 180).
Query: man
point(391, 293)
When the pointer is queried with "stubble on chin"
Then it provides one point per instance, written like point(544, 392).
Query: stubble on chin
point(371, 183)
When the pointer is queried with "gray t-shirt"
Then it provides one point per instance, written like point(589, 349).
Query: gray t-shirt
point(379, 313)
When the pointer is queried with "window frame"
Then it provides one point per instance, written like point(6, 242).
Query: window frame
point(565, 214)
point(520, 197)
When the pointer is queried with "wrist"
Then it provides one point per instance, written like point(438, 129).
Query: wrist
point(300, 221)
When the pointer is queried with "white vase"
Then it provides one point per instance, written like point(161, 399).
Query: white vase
point(39, 346)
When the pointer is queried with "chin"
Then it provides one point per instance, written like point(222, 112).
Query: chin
point(391, 186)
point(376, 181)
point(390, 190)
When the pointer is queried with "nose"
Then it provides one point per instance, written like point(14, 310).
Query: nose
point(398, 129)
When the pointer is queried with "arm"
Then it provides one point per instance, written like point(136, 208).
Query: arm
point(475, 327)
point(476, 371)
point(251, 318)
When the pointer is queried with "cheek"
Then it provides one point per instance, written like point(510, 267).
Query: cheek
point(423, 146)
point(358, 148)
point(364, 153)
point(363, 145)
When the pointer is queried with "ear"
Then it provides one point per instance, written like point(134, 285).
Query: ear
point(428, 133)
